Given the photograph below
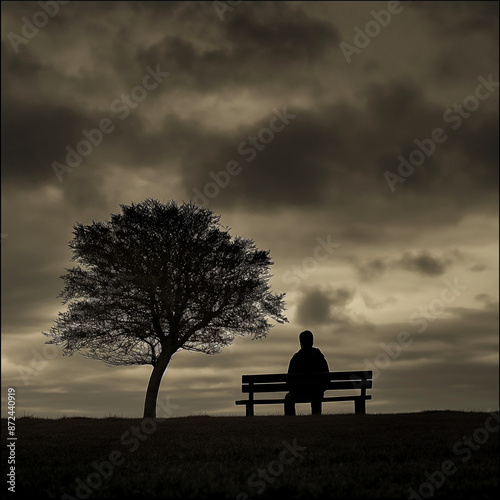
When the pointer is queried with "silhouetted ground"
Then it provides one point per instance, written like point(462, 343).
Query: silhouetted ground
point(329, 456)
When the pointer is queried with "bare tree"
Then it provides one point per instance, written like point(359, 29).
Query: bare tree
point(157, 278)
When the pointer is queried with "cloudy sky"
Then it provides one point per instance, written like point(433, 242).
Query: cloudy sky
point(358, 144)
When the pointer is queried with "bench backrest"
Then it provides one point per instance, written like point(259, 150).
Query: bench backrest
point(277, 382)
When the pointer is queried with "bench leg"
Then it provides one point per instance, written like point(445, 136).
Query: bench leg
point(249, 410)
point(289, 406)
point(360, 406)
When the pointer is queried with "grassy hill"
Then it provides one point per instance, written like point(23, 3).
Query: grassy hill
point(443, 454)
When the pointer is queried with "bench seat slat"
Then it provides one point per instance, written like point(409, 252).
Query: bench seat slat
point(282, 377)
point(324, 400)
point(284, 388)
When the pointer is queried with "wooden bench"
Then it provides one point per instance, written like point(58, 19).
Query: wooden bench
point(333, 381)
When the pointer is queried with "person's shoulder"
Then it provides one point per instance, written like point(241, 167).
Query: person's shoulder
point(318, 352)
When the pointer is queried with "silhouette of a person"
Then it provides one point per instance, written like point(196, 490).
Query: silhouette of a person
point(308, 360)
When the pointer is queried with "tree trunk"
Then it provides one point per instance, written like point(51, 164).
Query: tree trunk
point(154, 383)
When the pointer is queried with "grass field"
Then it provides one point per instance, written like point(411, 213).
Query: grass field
point(444, 454)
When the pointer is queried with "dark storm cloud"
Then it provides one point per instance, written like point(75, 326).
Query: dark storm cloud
point(37, 131)
point(26, 66)
point(34, 137)
point(372, 269)
point(480, 148)
point(276, 30)
point(449, 65)
point(460, 18)
point(321, 306)
point(328, 148)
point(297, 154)
point(256, 42)
point(331, 155)
point(37, 135)
point(473, 28)
point(422, 262)
point(337, 156)
point(478, 268)
point(488, 301)
point(314, 308)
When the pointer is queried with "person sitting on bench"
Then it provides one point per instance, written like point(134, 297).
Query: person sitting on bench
point(307, 360)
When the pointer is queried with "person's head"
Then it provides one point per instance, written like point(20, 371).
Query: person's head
point(306, 339)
